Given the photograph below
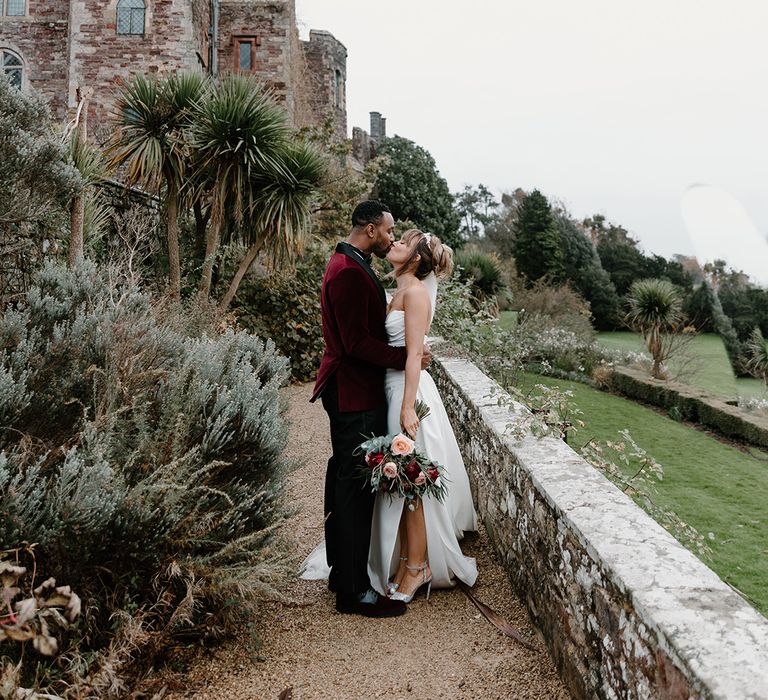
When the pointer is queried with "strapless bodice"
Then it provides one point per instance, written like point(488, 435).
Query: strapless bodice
point(395, 325)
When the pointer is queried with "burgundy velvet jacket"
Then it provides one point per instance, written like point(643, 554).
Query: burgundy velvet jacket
point(354, 309)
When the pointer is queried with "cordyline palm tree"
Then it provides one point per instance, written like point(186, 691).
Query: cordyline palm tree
point(655, 308)
point(279, 218)
point(90, 213)
point(154, 116)
point(239, 134)
point(758, 355)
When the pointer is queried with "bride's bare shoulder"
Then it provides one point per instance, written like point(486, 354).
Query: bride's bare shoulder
point(416, 292)
point(416, 302)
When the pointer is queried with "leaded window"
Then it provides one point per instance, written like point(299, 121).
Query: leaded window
point(15, 8)
point(130, 17)
point(245, 55)
point(12, 66)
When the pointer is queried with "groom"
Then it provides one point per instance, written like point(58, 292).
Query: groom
point(351, 383)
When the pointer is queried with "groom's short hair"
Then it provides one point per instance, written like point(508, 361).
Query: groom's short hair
point(370, 211)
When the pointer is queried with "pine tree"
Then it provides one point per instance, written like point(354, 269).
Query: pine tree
point(537, 248)
point(586, 274)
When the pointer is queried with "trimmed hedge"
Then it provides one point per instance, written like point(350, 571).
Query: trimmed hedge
point(692, 404)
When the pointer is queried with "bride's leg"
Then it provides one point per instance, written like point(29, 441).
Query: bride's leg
point(403, 534)
point(416, 531)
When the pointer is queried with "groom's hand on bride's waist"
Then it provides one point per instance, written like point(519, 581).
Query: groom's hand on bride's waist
point(426, 357)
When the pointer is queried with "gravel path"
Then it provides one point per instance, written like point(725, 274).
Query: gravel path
point(442, 648)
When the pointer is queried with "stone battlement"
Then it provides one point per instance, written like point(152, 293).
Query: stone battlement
point(626, 610)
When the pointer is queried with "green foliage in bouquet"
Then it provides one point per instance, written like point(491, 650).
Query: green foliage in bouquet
point(394, 467)
point(141, 450)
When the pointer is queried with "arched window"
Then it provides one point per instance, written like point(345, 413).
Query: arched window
point(339, 89)
point(12, 66)
point(130, 17)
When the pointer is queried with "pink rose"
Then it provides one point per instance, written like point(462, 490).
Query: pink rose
point(390, 470)
point(401, 445)
point(420, 479)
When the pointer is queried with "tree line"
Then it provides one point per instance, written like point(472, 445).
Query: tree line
point(597, 258)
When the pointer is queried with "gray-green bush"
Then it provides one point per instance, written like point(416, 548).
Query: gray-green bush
point(141, 449)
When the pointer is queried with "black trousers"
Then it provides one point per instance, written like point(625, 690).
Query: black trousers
point(348, 498)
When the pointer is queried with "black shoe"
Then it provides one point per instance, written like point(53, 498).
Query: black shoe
point(383, 607)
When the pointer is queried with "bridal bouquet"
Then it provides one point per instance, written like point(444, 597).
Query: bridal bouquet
point(396, 468)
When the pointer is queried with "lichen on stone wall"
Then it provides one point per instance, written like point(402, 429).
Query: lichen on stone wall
point(626, 611)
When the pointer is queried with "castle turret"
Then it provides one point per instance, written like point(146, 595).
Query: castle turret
point(326, 59)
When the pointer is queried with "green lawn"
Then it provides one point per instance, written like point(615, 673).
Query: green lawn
point(711, 369)
point(712, 486)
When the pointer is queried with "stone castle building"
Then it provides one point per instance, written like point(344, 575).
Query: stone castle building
point(57, 46)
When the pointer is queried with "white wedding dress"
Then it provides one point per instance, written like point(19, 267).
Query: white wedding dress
point(445, 522)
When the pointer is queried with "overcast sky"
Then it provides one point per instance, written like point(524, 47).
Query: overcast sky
point(611, 106)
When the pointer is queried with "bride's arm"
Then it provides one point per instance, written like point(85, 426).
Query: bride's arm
point(416, 305)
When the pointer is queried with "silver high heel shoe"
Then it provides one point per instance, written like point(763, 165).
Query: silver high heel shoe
point(408, 598)
point(392, 587)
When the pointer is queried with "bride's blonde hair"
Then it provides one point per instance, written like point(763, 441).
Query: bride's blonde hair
point(434, 255)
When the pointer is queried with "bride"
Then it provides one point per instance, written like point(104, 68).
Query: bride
point(411, 548)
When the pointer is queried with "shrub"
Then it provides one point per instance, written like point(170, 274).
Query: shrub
point(757, 350)
point(482, 270)
point(285, 306)
point(751, 404)
point(537, 343)
point(545, 347)
point(141, 451)
point(602, 375)
point(37, 183)
point(545, 306)
point(37, 178)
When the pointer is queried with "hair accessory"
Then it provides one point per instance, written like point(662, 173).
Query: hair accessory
point(427, 237)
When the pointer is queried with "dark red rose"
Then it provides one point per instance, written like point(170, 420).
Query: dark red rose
point(406, 486)
point(412, 471)
point(432, 473)
point(374, 459)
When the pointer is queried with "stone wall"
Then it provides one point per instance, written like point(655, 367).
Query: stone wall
point(40, 39)
point(65, 44)
point(100, 57)
point(326, 79)
point(626, 611)
point(270, 25)
point(363, 149)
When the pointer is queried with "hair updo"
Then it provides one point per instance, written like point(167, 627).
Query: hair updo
point(434, 255)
